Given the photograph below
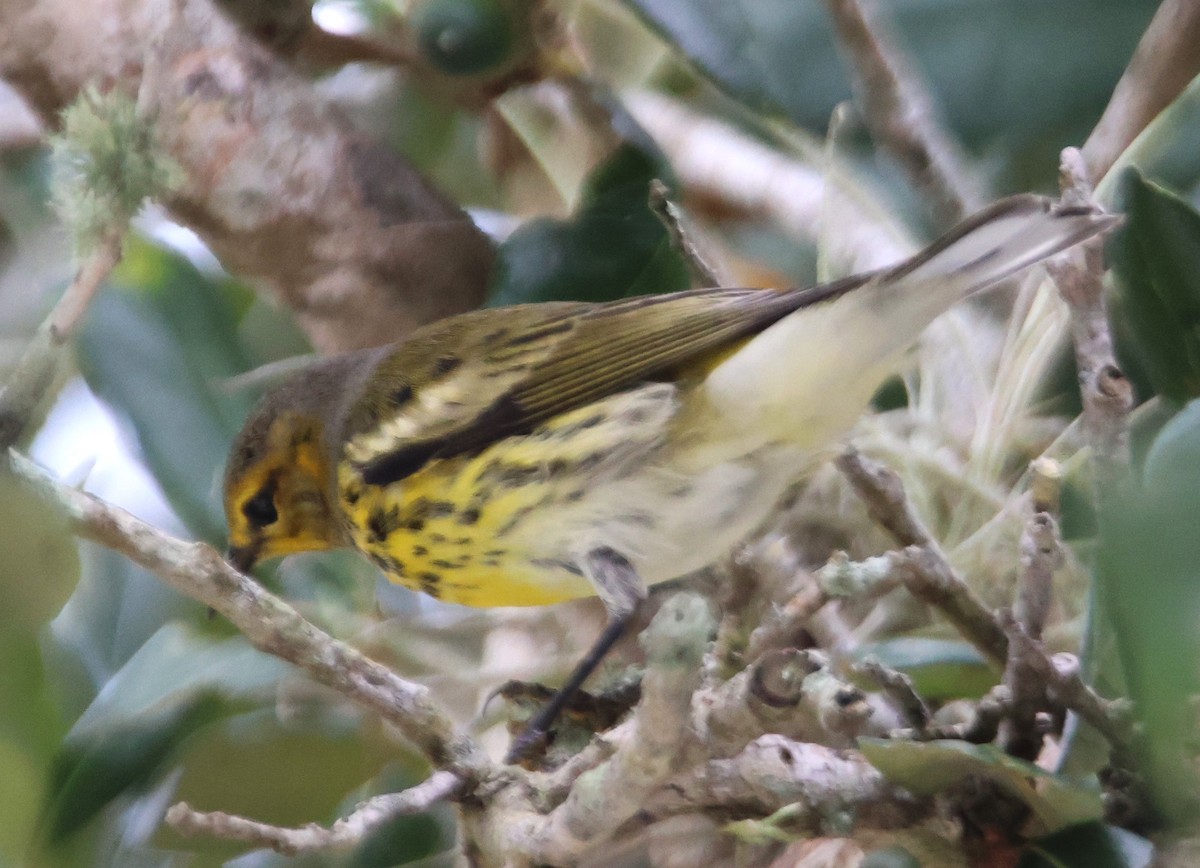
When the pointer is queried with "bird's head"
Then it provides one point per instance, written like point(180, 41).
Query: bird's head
point(277, 498)
point(280, 491)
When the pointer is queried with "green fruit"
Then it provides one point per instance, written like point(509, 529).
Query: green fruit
point(464, 37)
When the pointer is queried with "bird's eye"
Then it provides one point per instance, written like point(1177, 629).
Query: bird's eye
point(260, 510)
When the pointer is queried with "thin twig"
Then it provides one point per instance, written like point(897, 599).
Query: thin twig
point(1020, 735)
point(882, 493)
point(703, 274)
point(900, 113)
point(778, 628)
point(1112, 717)
point(1041, 549)
point(271, 625)
point(716, 161)
point(343, 834)
point(930, 577)
point(984, 723)
point(899, 688)
point(1107, 395)
point(32, 377)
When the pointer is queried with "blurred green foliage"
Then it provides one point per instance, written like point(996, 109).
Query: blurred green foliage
point(1088, 845)
point(465, 37)
point(612, 247)
point(1017, 80)
point(930, 767)
point(1156, 260)
point(1149, 573)
point(940, 669)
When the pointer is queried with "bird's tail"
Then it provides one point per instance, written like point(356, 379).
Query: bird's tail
point(1003, 239)
point(809, 376)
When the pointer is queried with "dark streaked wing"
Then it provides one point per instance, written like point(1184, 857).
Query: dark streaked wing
point(521, 366)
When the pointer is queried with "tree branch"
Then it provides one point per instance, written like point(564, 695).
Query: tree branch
point(271, 625)
point(899, 688)
point(925, 571)
point(1165, 62)
point(774, 771)
point(927, 575)
point(28, 383)
point(1107, 395)
point(278, 183)
point(605, 797)
point(345, 833)
point(900, 113)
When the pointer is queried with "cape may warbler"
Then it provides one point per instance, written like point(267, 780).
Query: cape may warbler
point(532, 454)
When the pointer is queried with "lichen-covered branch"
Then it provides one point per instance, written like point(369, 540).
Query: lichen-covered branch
point(277, 181)
point(606, 796)
point(785, 691)
point(195, 569)
point(928, 575)
point(29, 381)
point(1107, 394)
point(772, 771)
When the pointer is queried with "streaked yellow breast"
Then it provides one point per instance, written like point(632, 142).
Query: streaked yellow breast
point(456, 529)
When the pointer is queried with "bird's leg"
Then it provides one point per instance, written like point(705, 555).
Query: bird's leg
point(622, 591)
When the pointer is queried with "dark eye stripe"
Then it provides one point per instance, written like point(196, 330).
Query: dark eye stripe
point(402, 395)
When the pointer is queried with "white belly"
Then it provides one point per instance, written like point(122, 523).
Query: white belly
point(668, 522)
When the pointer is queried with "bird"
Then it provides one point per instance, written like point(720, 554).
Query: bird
point(538, 453)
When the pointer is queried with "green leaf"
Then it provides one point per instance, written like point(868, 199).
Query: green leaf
point(1176, 446)
point(157, 347)
point(940, 669)
point(20, 787)
point(1088, 845)
point(781, 57)
point(1156, 260)
point(178, 682)
point(177, 660)
point(1165, 149)
point(930, 767)
point(613, 247)
point(93, 770)
point(40, 559)
point(115, 609)
point(1149, 584)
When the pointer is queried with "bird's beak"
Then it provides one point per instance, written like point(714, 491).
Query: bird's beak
point(243, 558)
